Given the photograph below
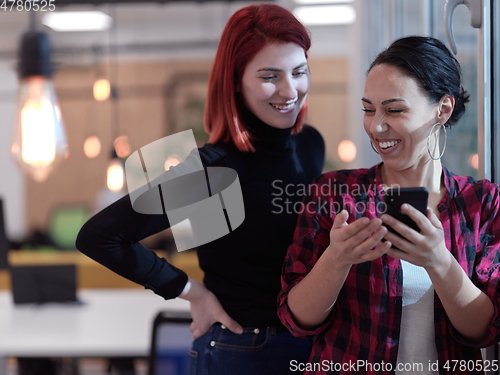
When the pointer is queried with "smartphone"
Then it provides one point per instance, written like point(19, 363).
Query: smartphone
point(414, 196)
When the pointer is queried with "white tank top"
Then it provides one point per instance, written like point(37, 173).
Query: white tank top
point(417, 349)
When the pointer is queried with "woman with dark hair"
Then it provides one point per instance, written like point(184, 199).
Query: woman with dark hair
point(254, 113)
point(416, 302)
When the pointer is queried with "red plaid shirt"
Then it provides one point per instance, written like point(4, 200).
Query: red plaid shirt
point(361, 334)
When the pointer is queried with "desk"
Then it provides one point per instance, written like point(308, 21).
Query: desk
point(108, 323)
point(91, 274)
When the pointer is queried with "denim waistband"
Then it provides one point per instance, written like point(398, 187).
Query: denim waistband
point(274, 329)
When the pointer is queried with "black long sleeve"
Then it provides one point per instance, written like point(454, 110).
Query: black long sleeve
point(112, 238)
point(242, 268)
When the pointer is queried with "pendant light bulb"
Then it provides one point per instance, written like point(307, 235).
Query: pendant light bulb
point(92, 147)
point(102, 89)
point(38, 138)
point(115, 173)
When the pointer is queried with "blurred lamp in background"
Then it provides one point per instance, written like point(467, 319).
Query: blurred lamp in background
point(172, 161)
point(115, 173)
point(474, 161)
point(38, 138)
point(92, 147)
point(102, 89)
point(122, 146)
point(347, 151)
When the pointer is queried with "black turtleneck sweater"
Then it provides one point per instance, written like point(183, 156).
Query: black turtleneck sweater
point(243, 268)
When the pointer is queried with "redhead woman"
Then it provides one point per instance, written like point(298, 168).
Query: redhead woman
point(420, 302)
point(254, 114)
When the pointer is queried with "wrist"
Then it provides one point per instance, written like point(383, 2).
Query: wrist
point(439, 269)
point(192, 291)
point(335, 261)
point(186, 289)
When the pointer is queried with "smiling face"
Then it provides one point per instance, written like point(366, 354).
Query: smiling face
point(275, 83)
point(398, 117)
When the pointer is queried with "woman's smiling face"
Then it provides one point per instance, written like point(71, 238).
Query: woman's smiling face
point(398, 117)
point(275, 83)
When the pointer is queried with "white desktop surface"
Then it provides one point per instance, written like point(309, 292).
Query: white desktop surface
point(108, 323)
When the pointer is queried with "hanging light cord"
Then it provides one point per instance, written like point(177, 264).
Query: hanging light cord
point(113, 41)
point(32, 14)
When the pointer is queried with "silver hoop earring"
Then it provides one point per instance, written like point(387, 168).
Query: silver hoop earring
point(373, 147)
point(429, 142)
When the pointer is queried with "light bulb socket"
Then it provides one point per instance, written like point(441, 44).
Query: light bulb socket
point(34, 55)
point(114, 92)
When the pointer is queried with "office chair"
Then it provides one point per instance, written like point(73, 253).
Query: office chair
point(171, 341)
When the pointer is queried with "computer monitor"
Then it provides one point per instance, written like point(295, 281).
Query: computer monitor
point(41, 284)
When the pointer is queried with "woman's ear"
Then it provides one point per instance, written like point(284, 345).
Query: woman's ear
point(445, 108)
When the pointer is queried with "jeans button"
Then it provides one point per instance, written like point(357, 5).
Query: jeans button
point(223, 326)
point(212, 343)
point(256, 330)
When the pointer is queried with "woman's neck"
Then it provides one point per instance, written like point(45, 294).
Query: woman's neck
point(428, 174)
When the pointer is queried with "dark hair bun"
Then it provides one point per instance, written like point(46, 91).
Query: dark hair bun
point(433, 66)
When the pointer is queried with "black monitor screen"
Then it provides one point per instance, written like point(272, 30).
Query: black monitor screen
point(41, 284)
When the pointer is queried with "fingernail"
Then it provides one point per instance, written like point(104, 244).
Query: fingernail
point(404, 206)
point(239, 330)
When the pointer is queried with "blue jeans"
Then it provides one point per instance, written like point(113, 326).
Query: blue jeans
point(257, 351)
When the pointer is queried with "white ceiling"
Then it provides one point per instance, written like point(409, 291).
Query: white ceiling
point(178, 29)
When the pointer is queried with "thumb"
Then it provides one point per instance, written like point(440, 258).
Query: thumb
point(231, 324)
point(341, 219)
point(195, 331)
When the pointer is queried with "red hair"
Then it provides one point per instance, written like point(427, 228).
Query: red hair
point(248, 31)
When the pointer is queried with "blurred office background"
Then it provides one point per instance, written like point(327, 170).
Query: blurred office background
point(157, 57)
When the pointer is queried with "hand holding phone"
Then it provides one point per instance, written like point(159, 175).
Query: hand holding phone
point(394, 198)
